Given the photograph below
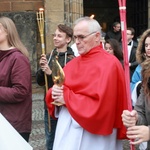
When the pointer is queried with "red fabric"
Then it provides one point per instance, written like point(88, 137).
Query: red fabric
point(122, 5)
point(49, 100)
point(94, 92)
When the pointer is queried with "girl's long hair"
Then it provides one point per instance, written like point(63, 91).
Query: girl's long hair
point(146, 77)
point(13, 36)
point(116, 48)
point(140, 52)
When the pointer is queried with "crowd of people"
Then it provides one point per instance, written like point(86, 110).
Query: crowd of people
point(94, 109)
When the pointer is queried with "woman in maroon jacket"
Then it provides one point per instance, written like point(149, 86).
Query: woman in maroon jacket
point(15, 79)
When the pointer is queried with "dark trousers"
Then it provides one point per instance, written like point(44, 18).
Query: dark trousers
point(50, 135)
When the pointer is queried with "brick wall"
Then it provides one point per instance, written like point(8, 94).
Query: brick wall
point(20, 5)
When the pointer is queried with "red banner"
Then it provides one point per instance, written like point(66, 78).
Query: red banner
point(122, 10)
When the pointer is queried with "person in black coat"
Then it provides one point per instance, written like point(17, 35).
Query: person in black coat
point(132, 47)
point(115, 33)
point(61, 38)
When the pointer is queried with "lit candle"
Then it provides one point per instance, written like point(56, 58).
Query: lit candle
point(41, 10)
point(92, 16)
point(40, 20)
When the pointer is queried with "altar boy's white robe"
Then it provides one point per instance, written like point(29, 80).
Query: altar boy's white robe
point(71, 136)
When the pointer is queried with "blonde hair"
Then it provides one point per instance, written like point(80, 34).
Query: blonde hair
point(12, 35)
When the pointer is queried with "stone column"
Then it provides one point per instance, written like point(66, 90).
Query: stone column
point(73, 10)
point(60, 11)
point(54, 14)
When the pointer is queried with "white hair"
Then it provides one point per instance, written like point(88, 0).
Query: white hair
point(94, 26)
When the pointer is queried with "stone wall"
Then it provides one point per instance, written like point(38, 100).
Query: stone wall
point(27, 28)
point(20, 5)
point(23, 13)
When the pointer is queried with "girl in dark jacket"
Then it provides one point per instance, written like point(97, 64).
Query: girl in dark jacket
point(15, 79)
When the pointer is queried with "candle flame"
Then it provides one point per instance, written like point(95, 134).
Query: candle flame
point(92, 16)
point(41, 9)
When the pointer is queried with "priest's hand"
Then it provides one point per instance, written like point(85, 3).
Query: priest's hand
point(129, 118)
point(57, 94)
point(139, 134)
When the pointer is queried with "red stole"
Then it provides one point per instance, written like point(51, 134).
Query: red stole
point(94, 92)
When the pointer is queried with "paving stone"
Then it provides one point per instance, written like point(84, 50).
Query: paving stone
point(37, 137)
